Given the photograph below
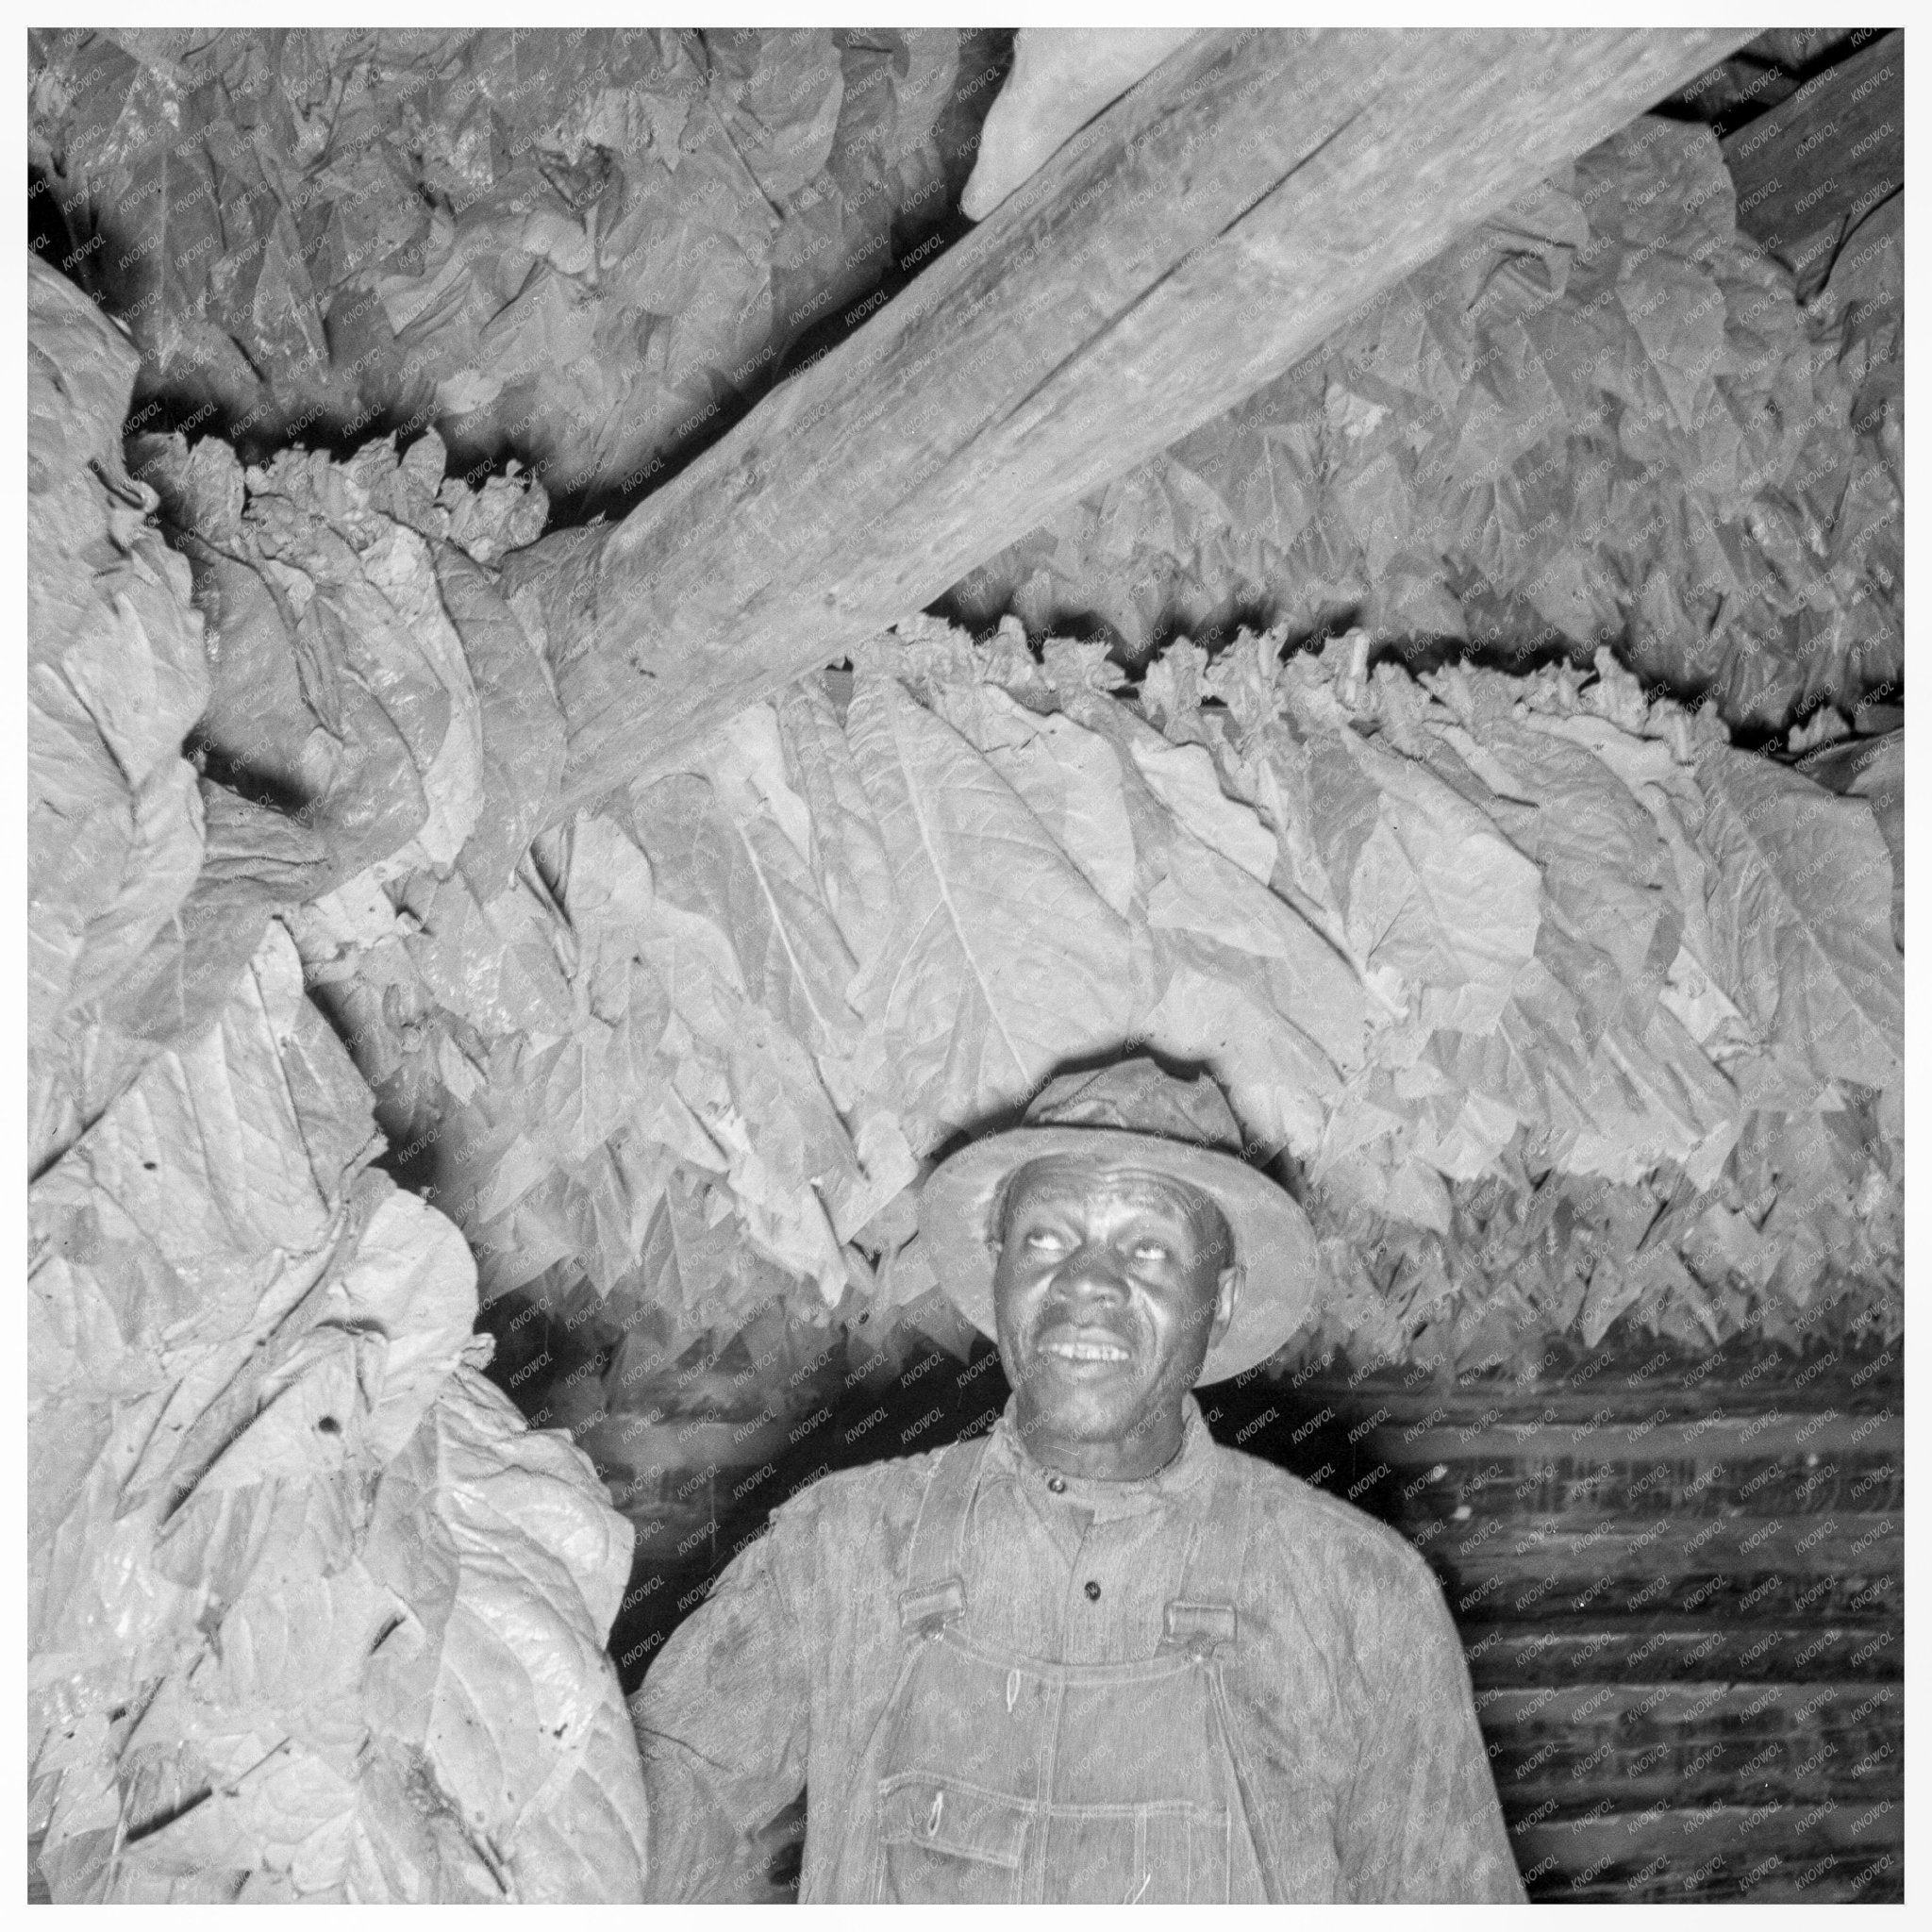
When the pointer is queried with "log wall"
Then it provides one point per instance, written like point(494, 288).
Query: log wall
point(1680, 1587)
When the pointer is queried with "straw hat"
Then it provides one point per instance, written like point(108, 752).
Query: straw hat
point(1136, 1114)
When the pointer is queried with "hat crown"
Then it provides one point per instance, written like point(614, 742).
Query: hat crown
point(1138, 1097)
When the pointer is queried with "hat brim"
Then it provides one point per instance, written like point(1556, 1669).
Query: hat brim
point(1275, 1246)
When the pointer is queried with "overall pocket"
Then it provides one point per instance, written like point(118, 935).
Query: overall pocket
point(944, 1843)
point(1171, 1852)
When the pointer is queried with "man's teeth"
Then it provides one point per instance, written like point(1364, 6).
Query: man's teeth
point(1086, 1351)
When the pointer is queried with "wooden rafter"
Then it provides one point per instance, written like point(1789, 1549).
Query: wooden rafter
point(1212, 227)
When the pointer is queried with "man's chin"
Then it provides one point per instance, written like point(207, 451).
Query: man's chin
point(1103, 1413)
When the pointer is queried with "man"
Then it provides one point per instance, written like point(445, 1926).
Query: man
point(1094, 1655)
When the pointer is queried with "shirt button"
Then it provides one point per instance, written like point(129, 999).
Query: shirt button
point(1093, 1593)
point(1058, 1484)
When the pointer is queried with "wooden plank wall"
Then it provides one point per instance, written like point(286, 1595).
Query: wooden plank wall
point(1678, 1580)
point(1680, 1585)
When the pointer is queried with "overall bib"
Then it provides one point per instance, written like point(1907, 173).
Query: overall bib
point(1004, 1779)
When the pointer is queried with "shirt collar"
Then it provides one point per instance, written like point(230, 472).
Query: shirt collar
point(1008, 1453)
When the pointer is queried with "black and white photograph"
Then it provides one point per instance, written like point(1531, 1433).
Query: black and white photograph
point(965, 965)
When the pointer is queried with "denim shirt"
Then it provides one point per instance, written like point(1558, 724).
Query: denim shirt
point(1348, 1683)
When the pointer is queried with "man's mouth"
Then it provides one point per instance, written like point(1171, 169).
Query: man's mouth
point(1072, 1345)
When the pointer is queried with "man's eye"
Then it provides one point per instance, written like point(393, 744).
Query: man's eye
point(1150, 1251)
point(1041, 1238)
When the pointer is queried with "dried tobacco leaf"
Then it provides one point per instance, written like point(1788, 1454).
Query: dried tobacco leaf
point(739, 870)
point(1800, 917)
point(1003, 961)
point(116, 675)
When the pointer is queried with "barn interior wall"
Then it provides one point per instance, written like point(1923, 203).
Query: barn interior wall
point(1678, 1570)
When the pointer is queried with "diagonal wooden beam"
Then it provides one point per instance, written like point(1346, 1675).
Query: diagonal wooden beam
point(1810, 170)
point(1212, 227)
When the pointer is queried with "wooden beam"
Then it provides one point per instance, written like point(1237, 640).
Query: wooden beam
point(1212, 226)
point(1812, 168)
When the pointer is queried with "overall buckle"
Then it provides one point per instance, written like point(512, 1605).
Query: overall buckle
point(926, 1612)
point(1198, 1628)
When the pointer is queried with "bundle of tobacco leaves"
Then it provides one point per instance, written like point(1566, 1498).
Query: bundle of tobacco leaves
point(580, 247)
point(1554, 1000)
point(311, 1613)
point(1602, 416)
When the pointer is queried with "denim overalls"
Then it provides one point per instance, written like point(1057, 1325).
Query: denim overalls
point(1004, 1779)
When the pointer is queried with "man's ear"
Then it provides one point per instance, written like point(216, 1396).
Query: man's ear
point(1227, 1294)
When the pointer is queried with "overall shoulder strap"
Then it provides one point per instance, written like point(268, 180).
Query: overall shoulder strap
point(936, 1567)
point(1202, 1613)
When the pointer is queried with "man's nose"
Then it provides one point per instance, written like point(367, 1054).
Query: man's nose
point(1091, 1268)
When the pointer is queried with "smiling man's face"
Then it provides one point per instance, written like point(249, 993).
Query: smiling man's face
point(1111, 1284)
